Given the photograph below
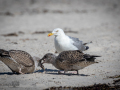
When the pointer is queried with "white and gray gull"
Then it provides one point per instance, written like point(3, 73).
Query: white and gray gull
point(64, 43)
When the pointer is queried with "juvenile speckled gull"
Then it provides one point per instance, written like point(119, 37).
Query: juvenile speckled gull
point(19, 61)
point(69, 60)
point(64, 43)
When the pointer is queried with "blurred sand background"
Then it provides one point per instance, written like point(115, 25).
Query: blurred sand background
point(29, 22)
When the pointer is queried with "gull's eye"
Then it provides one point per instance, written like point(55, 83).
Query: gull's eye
point(57, 31)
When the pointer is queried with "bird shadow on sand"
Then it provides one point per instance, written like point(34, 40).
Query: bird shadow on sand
point(55, 72)
point(46, 70)
point(7, 73)
point(38, 71)
point(11, 73)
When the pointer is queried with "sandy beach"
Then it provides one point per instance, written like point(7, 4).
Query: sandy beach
point(24, 25)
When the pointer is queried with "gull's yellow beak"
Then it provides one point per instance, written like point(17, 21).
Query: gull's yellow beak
point(50, 34)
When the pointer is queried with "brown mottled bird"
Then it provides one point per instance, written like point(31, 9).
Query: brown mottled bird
point(18, 61)
point(69, 60)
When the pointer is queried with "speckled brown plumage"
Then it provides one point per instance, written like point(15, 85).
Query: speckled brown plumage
point(70, 60)
point(18, 61)
point(73, 56)
point(22, 57)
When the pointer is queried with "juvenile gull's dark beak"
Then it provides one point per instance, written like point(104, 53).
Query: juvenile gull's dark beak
point(41, 64)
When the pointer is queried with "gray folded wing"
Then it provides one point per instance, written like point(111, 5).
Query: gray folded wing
point(78, 43)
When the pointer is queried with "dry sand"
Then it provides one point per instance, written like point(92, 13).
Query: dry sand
point(93, 20)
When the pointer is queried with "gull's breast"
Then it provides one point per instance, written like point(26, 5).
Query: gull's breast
point(63, 44)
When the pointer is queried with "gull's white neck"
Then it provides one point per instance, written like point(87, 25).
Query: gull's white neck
point(60, 36)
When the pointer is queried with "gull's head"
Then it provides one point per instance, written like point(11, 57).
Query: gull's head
point(48, 58)
point(56, 32)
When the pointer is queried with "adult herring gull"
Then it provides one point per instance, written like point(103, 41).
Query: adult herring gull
point(64, 43)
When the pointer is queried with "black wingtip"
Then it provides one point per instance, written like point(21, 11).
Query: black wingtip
point(95, 56)
point(90, 56)
point(3, 53)
point(87, 47)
